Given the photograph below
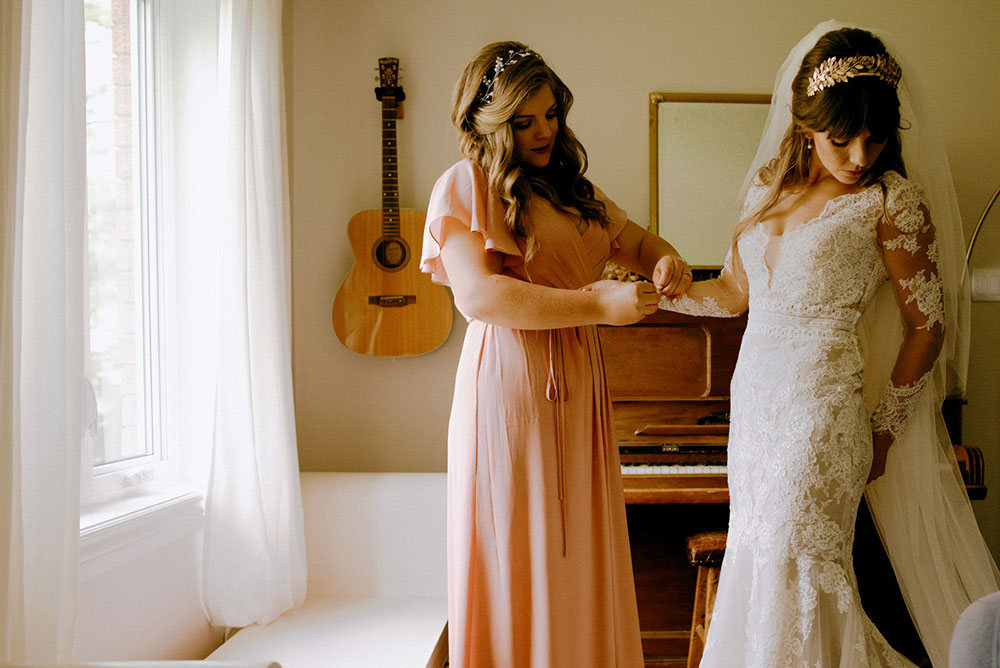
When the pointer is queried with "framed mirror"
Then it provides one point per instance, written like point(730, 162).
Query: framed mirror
point(700, 147)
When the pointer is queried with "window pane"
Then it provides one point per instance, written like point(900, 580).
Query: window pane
point(115, 365)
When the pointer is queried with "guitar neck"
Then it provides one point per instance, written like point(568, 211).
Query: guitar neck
point(390, 171)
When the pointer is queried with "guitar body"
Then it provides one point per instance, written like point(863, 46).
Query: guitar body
point(386, 305)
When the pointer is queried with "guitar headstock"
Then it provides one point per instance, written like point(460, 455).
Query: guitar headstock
point(388, 77)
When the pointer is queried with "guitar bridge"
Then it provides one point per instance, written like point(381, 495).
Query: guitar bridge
point(392, 300)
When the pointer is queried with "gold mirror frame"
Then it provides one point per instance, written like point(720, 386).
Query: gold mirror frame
point(655, 101)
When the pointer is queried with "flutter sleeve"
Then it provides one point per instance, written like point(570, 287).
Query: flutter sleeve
point(462, 193)
point(905, 236)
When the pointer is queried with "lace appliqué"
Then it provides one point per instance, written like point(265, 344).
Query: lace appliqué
point(928, 293)
point(833, 580)
point(706, 306)
point(897, 404)
point(904, 206)
point(907, 242)
point(932, 253)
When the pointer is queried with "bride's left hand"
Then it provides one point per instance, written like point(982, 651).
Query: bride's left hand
point(880, 450)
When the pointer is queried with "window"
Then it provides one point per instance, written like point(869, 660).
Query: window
point(123, 448)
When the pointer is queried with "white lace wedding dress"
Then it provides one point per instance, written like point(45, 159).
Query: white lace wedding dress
point(800, 444)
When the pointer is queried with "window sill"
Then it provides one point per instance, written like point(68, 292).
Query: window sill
point(118, 532)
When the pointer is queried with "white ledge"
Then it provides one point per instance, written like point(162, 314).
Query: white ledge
point(120, 532)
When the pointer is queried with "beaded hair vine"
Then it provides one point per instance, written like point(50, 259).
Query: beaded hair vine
point(835, 70)
point(485, 94)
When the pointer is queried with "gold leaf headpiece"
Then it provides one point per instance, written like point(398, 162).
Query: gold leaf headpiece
point(835, 70)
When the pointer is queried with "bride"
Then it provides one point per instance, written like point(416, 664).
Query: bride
point(847, 256)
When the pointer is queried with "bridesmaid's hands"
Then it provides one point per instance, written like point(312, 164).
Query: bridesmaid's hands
point(671, 276)
point(880, 449)
point(624, 302)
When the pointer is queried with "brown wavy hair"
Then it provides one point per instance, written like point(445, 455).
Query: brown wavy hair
point(486, 137)
point(844, 110)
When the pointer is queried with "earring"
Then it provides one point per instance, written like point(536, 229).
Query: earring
point(809, 144)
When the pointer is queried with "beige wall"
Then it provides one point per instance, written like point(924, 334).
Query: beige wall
point(357, 413)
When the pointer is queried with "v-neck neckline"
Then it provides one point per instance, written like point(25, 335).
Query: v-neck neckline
point(779, 239)
point(822, 212)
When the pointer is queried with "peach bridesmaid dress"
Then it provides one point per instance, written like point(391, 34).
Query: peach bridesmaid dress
point(539, 570)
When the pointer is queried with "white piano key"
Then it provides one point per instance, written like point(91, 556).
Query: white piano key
point(673, 469)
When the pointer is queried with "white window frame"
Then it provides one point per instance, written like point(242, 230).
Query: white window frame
point(121, 487)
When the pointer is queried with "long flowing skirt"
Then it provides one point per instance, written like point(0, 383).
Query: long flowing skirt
point(799, 455)
point(540, 574)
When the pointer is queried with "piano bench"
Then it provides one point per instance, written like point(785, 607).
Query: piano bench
point(704, 550)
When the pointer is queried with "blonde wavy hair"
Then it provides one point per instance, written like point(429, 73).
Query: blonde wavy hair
point(486, 137)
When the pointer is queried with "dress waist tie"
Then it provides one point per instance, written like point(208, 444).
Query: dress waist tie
point(556, 391)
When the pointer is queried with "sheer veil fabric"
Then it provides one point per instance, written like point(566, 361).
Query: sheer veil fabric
point(920, 506)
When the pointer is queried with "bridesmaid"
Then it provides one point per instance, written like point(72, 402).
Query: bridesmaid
point(539, 569)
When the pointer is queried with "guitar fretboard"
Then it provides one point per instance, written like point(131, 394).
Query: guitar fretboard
point(390, 173)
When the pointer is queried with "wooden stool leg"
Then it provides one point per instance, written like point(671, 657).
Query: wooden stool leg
point(698, 618)
point(711, 587)
point(704, 550)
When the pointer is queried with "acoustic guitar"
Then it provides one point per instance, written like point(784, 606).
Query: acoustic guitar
point(386, 305)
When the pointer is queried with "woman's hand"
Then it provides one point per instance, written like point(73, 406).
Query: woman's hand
point(624, 303)
point(671, 276)
point(880, 450)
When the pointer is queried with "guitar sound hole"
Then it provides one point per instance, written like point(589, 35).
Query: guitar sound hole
point(391, 254)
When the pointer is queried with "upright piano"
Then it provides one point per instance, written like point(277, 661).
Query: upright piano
point(669, 377)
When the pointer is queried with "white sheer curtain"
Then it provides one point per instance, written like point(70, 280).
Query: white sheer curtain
point(254, 564)
point(42, 320)
point(224, 204)
point(227, 297)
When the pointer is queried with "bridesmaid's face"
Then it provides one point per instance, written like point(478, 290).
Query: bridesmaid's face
point(846, 159)
point(536, 125)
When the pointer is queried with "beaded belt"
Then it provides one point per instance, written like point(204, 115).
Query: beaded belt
point(795, 320)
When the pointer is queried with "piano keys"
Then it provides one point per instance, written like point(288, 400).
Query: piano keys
point(674, 469)
point(689, 471)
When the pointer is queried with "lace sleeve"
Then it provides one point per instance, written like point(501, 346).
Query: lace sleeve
point(723, 297)
point(905, 235)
